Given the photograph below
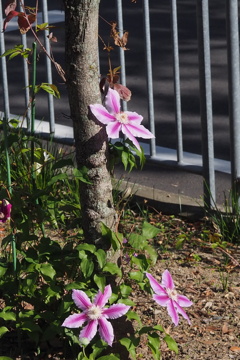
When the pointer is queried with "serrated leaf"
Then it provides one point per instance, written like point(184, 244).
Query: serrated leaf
point(171, 343)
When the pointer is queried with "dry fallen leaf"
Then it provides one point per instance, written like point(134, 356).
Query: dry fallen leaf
point(235, 348)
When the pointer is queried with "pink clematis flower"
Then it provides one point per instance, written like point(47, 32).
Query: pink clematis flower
point(115, 119)
point(95, 315)
point(166, 295)
point(5, 211)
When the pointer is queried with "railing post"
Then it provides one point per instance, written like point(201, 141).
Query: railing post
point(206, 101)
point(176, 72)
point(234, 91)
point(147, 37)
point(4, 69)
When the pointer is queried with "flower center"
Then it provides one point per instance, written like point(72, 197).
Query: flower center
point(94, 312)
point(172, 294)
point(122, 118)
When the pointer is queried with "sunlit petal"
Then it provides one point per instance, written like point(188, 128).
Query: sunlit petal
point(100, 112)
point(172, 312)
point(183, 301)
point(75, 320)
point(102, 298)
point(113, 129)
point(112, 101)
point(161, 299)
point(167, 280)
point(130, 136)
point(157, 288)
point(139, 130)
point(81, 299)
point(182, 312)
point(90, 330)
point(106, 331)
point(115, 311)
point(134, 117)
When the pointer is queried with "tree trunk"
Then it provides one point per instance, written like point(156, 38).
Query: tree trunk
point(82, 73)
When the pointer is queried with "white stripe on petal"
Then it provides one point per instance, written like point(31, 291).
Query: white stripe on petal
point(106, 331)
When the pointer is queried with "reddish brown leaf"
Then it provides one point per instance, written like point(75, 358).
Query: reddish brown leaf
point(10, 6)
point(25, 22)
point(10, 15)
point(52, 38)
point(124, 92)
point(119, 41)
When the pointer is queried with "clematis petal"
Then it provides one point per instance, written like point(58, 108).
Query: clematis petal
point(157, 288)
point(102, 298)
point(113, 129)
point(90, 330)
point(167, 280)
point(100, 112)
point(115, 311)
point(134, 117)
point(139, 130)
point(106, 331)
point(112, 102)
point(81, 299)
point(182, 312)
point(183, 301)
point(130, 136)
point(161, 299)
point(172, 312)
point(75, 320)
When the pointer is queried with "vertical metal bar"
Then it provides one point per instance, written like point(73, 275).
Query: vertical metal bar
point(4, 69)
point(48, 68)
point(206, 101)
point(121, 51)
point(147, 36)
point(176, 74)
point(26, 79)
point(234, 90)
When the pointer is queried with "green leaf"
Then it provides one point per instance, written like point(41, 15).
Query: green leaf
point(82, 174)
point(3, 269)
point(127, 302)
point(8, 315)
point(47, 270)
point(149, 231)
point(131, 315)
point(101, 257)
point(100, 281)
point(109, 357)
point(112, 269)
point(62, 163)
point(125, 290)
point(3, 330)
point(154, 344)
point(152, 253)
point(5, 358)
point(87, 267)
point(49, 88)
point(87, 247)
point(136, 275)
point(141, 262)
point(138, 242)
point(57, 178)
point(171, 343)
point(130, 344)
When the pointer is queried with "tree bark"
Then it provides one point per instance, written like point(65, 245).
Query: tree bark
point(82, 73)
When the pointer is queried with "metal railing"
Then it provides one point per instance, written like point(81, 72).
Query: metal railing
point(206, 166)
